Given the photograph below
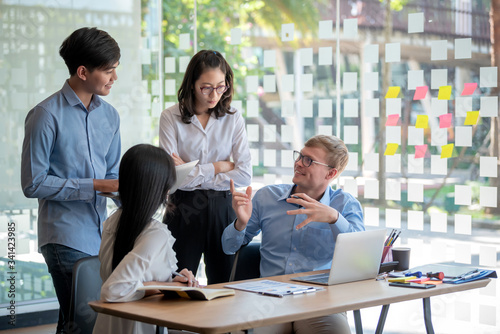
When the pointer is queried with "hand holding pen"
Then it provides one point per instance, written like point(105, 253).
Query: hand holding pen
point(185, 276)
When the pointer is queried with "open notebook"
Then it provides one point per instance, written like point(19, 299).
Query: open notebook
point(190, 292)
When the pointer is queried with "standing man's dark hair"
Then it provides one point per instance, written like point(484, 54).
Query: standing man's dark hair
point(71, 150)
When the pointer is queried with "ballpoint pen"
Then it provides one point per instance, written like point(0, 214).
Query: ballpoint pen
point(175, 273)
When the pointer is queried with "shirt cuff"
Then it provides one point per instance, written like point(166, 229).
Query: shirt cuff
point(207, 170)
point(87, 192)
point(341, 225)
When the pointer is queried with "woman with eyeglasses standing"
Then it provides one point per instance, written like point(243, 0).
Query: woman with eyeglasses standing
point(203, 126)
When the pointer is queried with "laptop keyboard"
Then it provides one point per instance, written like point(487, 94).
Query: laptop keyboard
point(320, 278)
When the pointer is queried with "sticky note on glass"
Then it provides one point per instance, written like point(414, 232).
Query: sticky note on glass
point(444, 93)
point(447, 151)
point(469, 88)
point(393, 92)
point(471, 118)
point(235, 36)
point(422, 122)
point(287, 31)
point(392, 120)
point(391, 149)
point(420, 151)
point(445, 121)
point(420, 92)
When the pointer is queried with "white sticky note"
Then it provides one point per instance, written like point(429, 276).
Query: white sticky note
point(439, 50)
point(351, 108)
point(170, 87)
point(487, 77)
point(371, 162)
point(253, 133)
point(370, 52)
point(489, 106)
point(235, 36)
point(415, 166)
point(145, 60)
point(269, 83)
point(287, 108)
point(306, 82)
point(306, 57)
point(237, 104)
point(393, 135)
point(269, 58)
point(393, 163)
point(392, 52)
point(252, 108)
point(325, 30)
point(415, 23)
point(371, 189)
point(352, 165)
point(372, 108)
point(350, 28)
point(350, 134)
point(252, 83)
point(287, 82)
point(415, 79)
point(270, 133)
point(169, 64)
point(287, 158)
point(487, 315)
point(463, 136)
point(325, 56)
point(183, 63)
point(438, 107)
point(415, 220)
point(325, 108)
point(269, 179)
point(349, 81)
point(463, 195)
point(393, 106)
point(371, 216)
point(463, 224)
point(155, 87)
point(488, 197)
point(286, 133)
point(371, 81)
point(488, 166)
point(415, 136)
point(287, 31)
point(184, 41)
point(463, 104)
point(270, 158)
point(415, 191)
point(487, 256)
point(326, 130)
point(439, 78)
point(438, 166)
point(463, 48)
point(306, 108)
point(351, 186)
point(463, 253)
point(439, 222)
point(392, 190)
point(254, 153)
point(393, 218)
point(439, 137)
point(156, 108)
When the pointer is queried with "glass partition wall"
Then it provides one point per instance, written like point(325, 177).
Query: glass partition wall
point(410, 86)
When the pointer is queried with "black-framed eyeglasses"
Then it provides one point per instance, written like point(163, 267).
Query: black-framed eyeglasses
point(207, 90)
point(307, 161)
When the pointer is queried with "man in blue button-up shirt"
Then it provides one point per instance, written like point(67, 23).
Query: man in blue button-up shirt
point(299, 221)
point(71, 150)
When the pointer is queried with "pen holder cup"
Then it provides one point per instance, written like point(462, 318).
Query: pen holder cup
point(387, 254)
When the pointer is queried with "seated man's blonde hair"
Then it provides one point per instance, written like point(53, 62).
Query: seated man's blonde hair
point(337, 154)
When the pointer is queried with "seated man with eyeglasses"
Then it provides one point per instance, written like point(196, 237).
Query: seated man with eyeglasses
point(299, 223)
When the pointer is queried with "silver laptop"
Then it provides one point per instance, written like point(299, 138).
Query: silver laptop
point(357, 257)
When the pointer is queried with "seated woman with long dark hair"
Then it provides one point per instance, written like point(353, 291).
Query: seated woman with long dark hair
point(136, 248)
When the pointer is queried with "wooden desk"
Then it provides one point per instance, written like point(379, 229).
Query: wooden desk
point(248, 310)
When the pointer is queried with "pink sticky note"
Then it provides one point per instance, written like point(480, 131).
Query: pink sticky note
point(420, 151)
point(392, 120)
point(445, 121)
point(469, 88)
point(420, 92)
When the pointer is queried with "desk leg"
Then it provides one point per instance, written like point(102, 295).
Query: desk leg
point(427, 315)
point(357, 322)
point(381, 319)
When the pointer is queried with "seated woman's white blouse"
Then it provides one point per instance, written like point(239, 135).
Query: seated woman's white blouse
point(151, 259)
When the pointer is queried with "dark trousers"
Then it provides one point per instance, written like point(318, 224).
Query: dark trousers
point(197, 224)
point(60, 261)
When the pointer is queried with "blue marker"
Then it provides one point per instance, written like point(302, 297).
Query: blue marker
point(418, 274)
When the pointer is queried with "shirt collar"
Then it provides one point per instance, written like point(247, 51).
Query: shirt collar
point(74, 100)
point(325, 199)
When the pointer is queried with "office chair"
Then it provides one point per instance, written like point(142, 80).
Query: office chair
point(246, 263)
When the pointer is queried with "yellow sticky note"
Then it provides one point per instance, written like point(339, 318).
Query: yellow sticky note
point(446, 151)
point(393, 92)
point(422, 122)
point(471, 118)
point(391, 149)
point(444, 93)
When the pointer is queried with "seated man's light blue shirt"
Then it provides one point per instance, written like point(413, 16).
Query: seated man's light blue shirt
point(65, 148)
point(285, 250)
